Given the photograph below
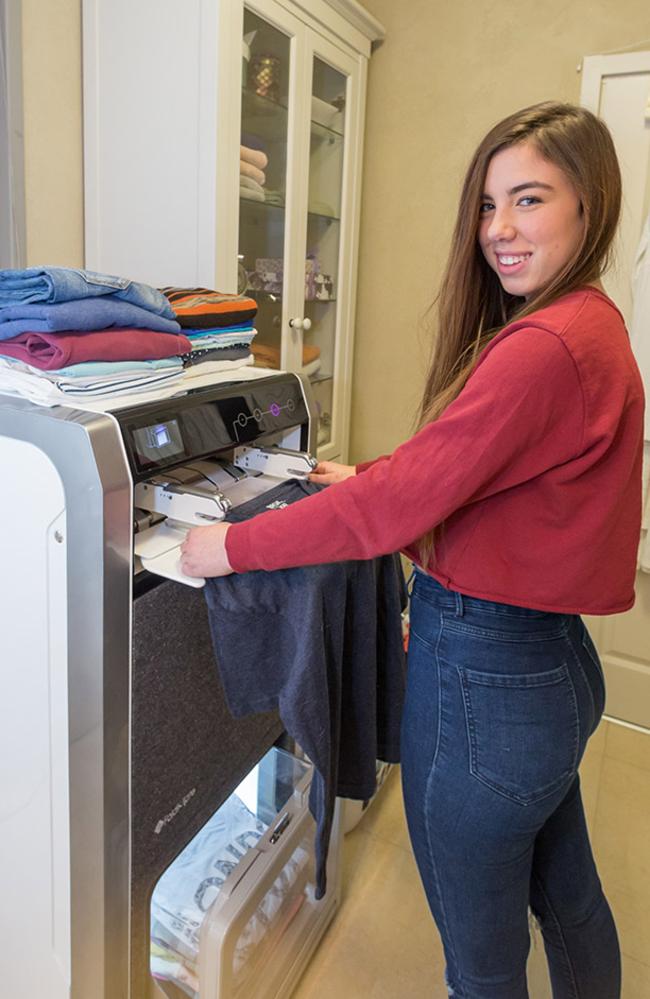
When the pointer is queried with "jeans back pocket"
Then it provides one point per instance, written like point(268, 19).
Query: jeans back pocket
point(523, 731)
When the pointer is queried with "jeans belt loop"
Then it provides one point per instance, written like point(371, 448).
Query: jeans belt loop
point(460, 607)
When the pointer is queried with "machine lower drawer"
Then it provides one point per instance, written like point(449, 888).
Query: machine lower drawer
point(235, 915)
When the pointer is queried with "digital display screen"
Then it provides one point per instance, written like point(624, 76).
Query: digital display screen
point(158, 442)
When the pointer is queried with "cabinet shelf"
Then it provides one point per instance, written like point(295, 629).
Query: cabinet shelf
point(267, 119)
point(271, 206)
point(325, 133)
point(262, 116)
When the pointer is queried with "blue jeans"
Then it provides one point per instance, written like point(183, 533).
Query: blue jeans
point(66, 284)
point(500, 703)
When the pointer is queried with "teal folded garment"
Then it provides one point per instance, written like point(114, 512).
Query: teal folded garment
point(96, 369)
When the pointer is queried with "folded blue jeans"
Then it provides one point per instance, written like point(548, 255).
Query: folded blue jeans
point(500, 703)
point(66, 284)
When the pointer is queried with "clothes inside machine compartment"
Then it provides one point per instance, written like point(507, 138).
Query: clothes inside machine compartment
point(323, 645)
point(188, 888)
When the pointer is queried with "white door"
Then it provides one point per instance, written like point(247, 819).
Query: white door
point(617, 88)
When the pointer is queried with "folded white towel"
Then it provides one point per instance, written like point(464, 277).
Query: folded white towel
point(251, 184)
point(246, 192)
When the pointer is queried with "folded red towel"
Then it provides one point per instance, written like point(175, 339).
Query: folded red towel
point(49, 351)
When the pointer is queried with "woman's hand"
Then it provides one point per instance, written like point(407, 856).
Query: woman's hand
point(327, 472)
point(203, 553)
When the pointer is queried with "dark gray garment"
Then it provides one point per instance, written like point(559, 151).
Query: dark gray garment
point(323, 645)
point(236, 352)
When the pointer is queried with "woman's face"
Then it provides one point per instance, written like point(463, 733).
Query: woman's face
point(530, 222)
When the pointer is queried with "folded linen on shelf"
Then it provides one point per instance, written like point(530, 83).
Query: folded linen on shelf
point(256, 157)
point(203, 308)
point(248, 170)
point(49, 351)
point(246, 192)
point(64, 284)
point(84, 314)
point(251, 185)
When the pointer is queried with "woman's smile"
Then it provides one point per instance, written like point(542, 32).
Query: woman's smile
point(530, 222)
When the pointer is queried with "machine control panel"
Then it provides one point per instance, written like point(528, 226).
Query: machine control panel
point(162, 434)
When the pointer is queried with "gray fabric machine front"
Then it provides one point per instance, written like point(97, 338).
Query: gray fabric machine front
point(187, 751)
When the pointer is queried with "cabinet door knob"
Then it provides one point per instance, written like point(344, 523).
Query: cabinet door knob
point(300, 324)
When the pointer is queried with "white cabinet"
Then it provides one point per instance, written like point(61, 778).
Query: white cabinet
point(171, 91)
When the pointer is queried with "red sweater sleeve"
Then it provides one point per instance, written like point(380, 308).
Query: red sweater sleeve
point(363, 465)
point(520, 414)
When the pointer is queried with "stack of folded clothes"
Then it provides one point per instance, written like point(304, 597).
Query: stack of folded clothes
point(75, 336)
point(219, 326)
point(252, 164)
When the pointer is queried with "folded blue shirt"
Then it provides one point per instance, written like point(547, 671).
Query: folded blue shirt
point(65, 284)
point(219, 330)
point(84, 314)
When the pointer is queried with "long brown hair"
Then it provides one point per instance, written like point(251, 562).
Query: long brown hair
point(472, 306)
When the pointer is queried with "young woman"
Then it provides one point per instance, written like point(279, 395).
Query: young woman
point(520, 500)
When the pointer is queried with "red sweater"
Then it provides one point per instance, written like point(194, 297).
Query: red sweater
point(535, 470)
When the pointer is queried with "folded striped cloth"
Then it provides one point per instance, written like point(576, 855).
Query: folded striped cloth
point(203, 308)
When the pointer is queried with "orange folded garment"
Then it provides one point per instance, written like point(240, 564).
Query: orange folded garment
point(267, 356)
point(203, 308)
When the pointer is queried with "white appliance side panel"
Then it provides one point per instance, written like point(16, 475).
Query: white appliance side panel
point(34, 804)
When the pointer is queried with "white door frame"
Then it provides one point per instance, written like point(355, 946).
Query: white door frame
point(623, 640)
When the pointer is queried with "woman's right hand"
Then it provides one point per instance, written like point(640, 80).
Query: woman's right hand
point(328, 472)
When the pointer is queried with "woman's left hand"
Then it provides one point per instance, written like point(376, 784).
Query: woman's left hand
point(203, 553)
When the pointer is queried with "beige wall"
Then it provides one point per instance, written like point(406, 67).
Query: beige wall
point(444, 74)
point(53, 132)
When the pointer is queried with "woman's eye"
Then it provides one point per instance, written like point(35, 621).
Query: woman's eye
point(486, 206)
point(530, 199)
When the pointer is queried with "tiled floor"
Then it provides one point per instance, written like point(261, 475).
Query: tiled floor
point(383, 944)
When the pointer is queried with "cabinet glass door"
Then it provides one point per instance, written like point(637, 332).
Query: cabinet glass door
point(329, 267)
point(263, 178)
point(327, 131)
